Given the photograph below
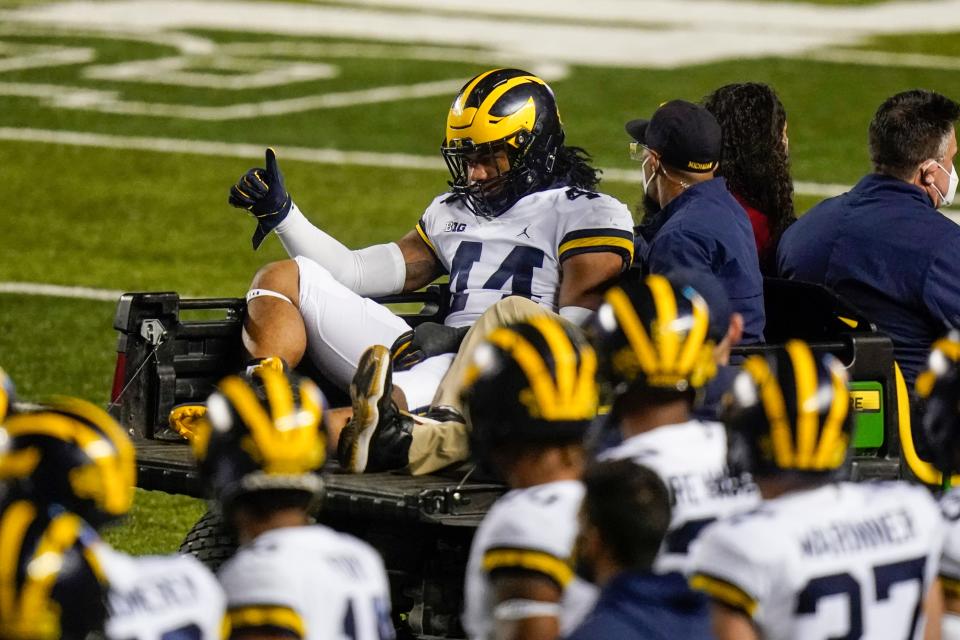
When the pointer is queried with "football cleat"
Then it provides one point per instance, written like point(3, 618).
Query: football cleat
point(183, 419)
point(377, 436)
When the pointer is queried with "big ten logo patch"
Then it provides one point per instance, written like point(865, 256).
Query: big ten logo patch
point(456, 227)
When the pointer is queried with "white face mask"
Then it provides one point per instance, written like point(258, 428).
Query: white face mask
point(946, 199)
point(643, 176)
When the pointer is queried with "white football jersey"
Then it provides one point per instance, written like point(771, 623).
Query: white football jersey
point(161, 597)
point(691, 459)
point(950, 562)
point(310, 581)
point(532, 529)
point(520, 251)
point(841, 561)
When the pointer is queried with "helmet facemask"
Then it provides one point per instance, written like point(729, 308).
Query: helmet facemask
point(493, 196)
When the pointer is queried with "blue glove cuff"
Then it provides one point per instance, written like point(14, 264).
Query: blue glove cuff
point(267, 223)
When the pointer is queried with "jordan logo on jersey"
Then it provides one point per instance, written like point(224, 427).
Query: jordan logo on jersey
point(524, 232)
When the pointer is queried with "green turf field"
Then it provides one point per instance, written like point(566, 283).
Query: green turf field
point(135, 219)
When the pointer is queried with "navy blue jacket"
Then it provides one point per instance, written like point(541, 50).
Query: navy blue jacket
point(706, 228)
point(644, 606)
point(885, 249)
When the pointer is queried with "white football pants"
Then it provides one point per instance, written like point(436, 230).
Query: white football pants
point(341, 325)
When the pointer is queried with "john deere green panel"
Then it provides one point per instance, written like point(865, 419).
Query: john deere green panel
point(867, 400)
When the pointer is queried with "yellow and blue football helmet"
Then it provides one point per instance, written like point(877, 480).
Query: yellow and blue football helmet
point(530, 383)
point(939, 390)
point(653, 336)
point(51, 584)
point(788, 411)
point(72, 453)
point(509, 111)
point(262, 432)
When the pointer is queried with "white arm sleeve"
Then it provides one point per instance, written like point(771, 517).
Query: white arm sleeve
point(374, 271)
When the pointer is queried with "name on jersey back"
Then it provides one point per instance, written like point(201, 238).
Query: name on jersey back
point(157, 594)
point(890, 528)
point(694, 488)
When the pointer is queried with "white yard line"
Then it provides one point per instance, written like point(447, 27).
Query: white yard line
point(245, 73)
point(303, 154)
point(57, 94)
point(14, 287)
point(884, 59)
point(824, 190)
point(59, 291)
point(34, 57)
point(312, 155)
point(886, 17)
point(221, 149)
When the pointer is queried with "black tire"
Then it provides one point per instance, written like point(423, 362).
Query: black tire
point(210, 541)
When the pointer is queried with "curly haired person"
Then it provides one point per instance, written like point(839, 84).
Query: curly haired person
point(755, 160)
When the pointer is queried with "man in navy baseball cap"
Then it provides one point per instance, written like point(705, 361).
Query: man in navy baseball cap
point(686, 136)
point(700, 225)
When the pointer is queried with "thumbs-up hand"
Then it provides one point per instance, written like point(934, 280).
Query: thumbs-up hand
point(263, 194)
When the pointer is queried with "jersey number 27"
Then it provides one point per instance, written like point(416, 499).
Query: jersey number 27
point(884, 578)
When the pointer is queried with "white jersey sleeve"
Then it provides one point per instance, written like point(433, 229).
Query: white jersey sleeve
point(738, 573)
point(843, 560)
point(308, 582)
point(592, 223)
point(529, 530)
point(159, 597)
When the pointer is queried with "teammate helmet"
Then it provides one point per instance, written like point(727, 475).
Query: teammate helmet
point(653, 335)
point(530, 382)
point(261, 432)
point(939, 388)
point(72, 453)
point(509, 111)
point(788, 411)
point(7, 394)
point(51, 580)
